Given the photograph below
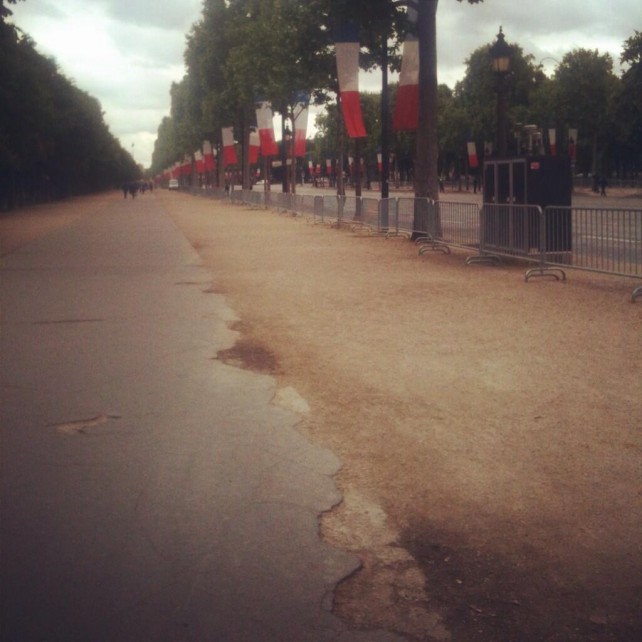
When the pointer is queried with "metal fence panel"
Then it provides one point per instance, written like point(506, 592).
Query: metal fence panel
point(607, 240)
point(330, 208)
point(307, 204)
point(369, 213)
point(419, 217)
point(511, 230)
point(459, 223)
point(602, 240)
point(404, 222)
point(350, 206)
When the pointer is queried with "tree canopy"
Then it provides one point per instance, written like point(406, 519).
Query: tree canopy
point(53, 139)
point(244, 50)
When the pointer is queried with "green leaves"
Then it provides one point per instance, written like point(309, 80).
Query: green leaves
point(53, 139)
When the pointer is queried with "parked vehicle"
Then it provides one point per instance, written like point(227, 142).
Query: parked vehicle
point(173, 183)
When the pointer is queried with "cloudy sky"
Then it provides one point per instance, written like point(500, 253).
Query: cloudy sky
point(126, 53)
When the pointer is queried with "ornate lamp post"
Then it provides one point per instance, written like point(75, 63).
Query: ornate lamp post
point(500, 53)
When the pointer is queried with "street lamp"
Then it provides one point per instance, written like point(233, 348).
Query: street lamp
point(500, 54)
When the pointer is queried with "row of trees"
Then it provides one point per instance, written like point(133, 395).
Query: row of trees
point(584, 93)
point(244, 50)
point(54, 142)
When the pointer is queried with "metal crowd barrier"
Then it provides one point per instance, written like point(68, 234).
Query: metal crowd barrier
point(370, 213)
point(511, 231)
point(604, 240)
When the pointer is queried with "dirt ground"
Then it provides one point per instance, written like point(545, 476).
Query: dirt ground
point(489, 429)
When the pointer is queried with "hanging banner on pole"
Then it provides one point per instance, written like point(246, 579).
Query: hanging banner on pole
point(186, 169)
point(229, 153)
point(347, 51)
point(572, 143)
point(265, 124)
point(198, 158)
point(406, 114)
point(473, 161)
point(300, 117)
point(552, 141)
point(208, 154)
point(255, 144)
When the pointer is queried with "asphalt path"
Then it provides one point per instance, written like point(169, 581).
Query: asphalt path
point(150, 491)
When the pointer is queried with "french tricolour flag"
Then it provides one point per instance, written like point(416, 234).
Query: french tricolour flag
point(200, 164)
point(208, 154)
point(552, 141)
point(254, 147)
point(347, 48)
point(473, 161)
point(300, 114)
point(186, 169)
point(229, 153)
point(406, 114)
point(266, 129)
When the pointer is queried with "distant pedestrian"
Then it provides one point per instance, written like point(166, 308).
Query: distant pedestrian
point(603, 185)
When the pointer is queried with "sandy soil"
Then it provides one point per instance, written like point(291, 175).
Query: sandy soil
point(19, 227)
point(489, 429)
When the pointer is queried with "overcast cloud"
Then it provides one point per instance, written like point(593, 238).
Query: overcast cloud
point(127, 53)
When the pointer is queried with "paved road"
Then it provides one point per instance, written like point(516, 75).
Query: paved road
point(616, 198)
point(149, 491)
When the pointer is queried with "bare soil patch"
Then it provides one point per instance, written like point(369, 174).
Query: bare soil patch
point(489, 429)
point(19, 227)
point(249, 354)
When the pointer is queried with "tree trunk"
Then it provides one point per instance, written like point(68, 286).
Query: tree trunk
point(341, 190)
point(245, 180)
point(426, 177)
point(426, 170)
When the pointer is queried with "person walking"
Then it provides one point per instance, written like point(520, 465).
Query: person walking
point(603, 185)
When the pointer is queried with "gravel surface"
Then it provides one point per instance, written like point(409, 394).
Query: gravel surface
point(489, 428)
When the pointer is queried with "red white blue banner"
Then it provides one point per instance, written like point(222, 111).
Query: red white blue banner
point(300, 118)
point(254, 147)
point(265, 124)
point(200, 164)
point(406, 114)
point(572, 143)
point(229, 153)
point(208, 154)
point(186, 168)
point(552, 141)
point(347, 51)
point(473, 161)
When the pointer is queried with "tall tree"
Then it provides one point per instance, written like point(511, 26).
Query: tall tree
point(476, 92)
point(627, 112)
point(53, 139)
point(5, 12)
point(426, 167)
point(585, 83)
